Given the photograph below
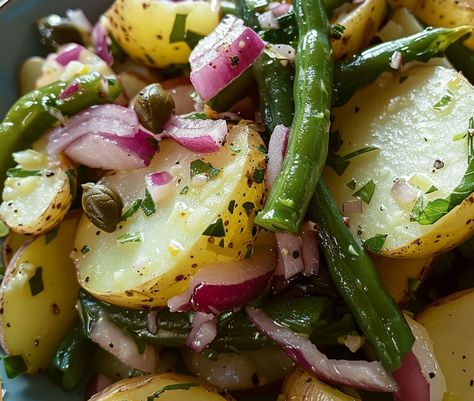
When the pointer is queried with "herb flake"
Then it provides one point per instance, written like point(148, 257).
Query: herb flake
point(199, 167)
point(170, 387)
point(14, 365)
point(18, 172)
point(130, 237)
point(431, 189)
point(444, 101)
point(132, 209)
point(51, 235)
point(85, 249)
point(192, 38)
point(178, 32)
point(366, 192)
point(147, 205)
point(215, 229)
point(248, 207)
point(36, 282)
point(258, 175)
point(417, 209)
point(185, 190)
point(375, 243)
point(351, 184)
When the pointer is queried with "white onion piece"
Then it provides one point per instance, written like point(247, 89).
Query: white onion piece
point(203, 136)
point(79, 19)
point(223, 286)
point(279, 9)
point(112, 339)
point(223, 55)
point(403, 192)
point(281, 52)
point(357, 374)
point(396, 60)
point(159, 184)
point(352, 206)
point(202, 333)
point(309, 249)
point(420, 377)
point(109, 119)
point(100, 41)
point(289, 255)
point(68, 53)
point(110, 152)
point(267, 20)
point(276, 153)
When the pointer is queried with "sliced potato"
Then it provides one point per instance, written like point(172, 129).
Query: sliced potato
point(361, 24)
point(155, 32)
point(38, 296)
point(302, 386)
point(399, 275)
point(148, 260)
point(38, 194)
point(443, 13)
point(11, 245)
point(169, 387)
point(418, 146)
point(450, 326)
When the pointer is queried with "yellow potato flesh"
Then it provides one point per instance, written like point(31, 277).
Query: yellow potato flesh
point(139, 388)
point(143, 28)
point(450, 327)
point(411, 135)
point(173, 246)
point(33, 326)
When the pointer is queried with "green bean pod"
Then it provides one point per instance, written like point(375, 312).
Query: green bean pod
point(308, 142)
point(366, 67)
point(35, 112)
point(357, 280)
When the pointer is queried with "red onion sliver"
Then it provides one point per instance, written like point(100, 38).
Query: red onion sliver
point(357, 374)
point(309, 249)
point(267, 20)
point(113, 339)
point(70, 90)
point(159, 184)
point(203, 136)
point(69, 53)
point(352, 206)
point(112, 152)
point(279, 9)
point(276, 153)
point(110, 119)
point(413, 385)
point(223, 55)
point(289, 253)
point(100, 42)
point(204, 330)
point(404, 192)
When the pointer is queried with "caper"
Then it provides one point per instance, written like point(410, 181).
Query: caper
point(55, 31)
point(154, 106)
point(102, 206)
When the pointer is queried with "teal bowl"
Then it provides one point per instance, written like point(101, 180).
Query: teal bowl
point(18, 41)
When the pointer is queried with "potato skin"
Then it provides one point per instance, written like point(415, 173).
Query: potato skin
point(138, 388)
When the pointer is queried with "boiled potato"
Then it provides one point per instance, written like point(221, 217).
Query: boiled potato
point(302, 386)
point(37, 193)
point(38, 296)
point(168, 386)
point(148, 260)
point(159, 33)
point(361, 24)
point(10, 246)
point(420, 153)
point(449, 324)
point(443, 13)
point(399, 274)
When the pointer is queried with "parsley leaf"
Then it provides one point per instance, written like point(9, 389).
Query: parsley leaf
point(14, 365)
point(130, 211)
point(36, 282)
point(148, 205)
point(444, 101)
point(366, 192)
point(170, 387)
point(130, 237)
point(215, 229)
point(18, 172)
point(178, 32)
point(199, 167)
point(375, 243)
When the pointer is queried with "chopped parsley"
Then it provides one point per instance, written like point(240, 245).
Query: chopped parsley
point(51, 235)
point(337, 30)
point(192, 38)
point(234, 149)
point(36, 282)
point(130, 237)
point(71, 177)
point(444, 101)
point(258, 175)
point(359, 152)
point(196, 116)
point(417, 209)
point(231, 206)
point(18, 172)
point(366, 192)
point(215, 229)
point(85, 249)
point(170, 387)
point(132, 209)
point(262, 149)
point(351, 184)
point(147, 205)
point(185, 190)
point(248, 207)
point(375, 243)
point(431, 189)
point(178, 32)
point(199, 167)
point(14, 365)
point(249, 252)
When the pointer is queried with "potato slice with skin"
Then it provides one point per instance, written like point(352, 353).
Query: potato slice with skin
point(449, 324)
point(170, 244)
point(11, 245)
point(39, 196)
point(33, 325)
point(415, 142)
point(361, 25)
point(169, 386)
point(154, 32)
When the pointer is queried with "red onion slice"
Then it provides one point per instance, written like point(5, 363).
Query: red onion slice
point(69, 53)
point(226, 286)
point(403, 192)
point(352, 206)
point(114, 340)
point(100, 42)
point(203, 136)
point(204, 330)
point(70, 90)
point(223, 55)
point(276, 153)
point(111, 152)
point(96, 384)
point(159, 184)
point(108, 119)
point(309, 249)
point(279, 9)
point(357, 374)
point(413, 385)
point(290, 261)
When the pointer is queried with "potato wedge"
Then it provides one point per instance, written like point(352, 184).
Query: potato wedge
point(148, 260)
point(449, 324)
point(160, 33)
point(399, 275)
point(302, 386)
point(11, 245)
point(415, 133)
point(169, 387)
point(38, 296)
point(37, 193)
point(361, 24)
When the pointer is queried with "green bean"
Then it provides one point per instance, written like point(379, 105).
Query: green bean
point(356, 277)
point(462, 58)
point(70, 362)
point(308, 142)
point(363, 69)
point(35, 112)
